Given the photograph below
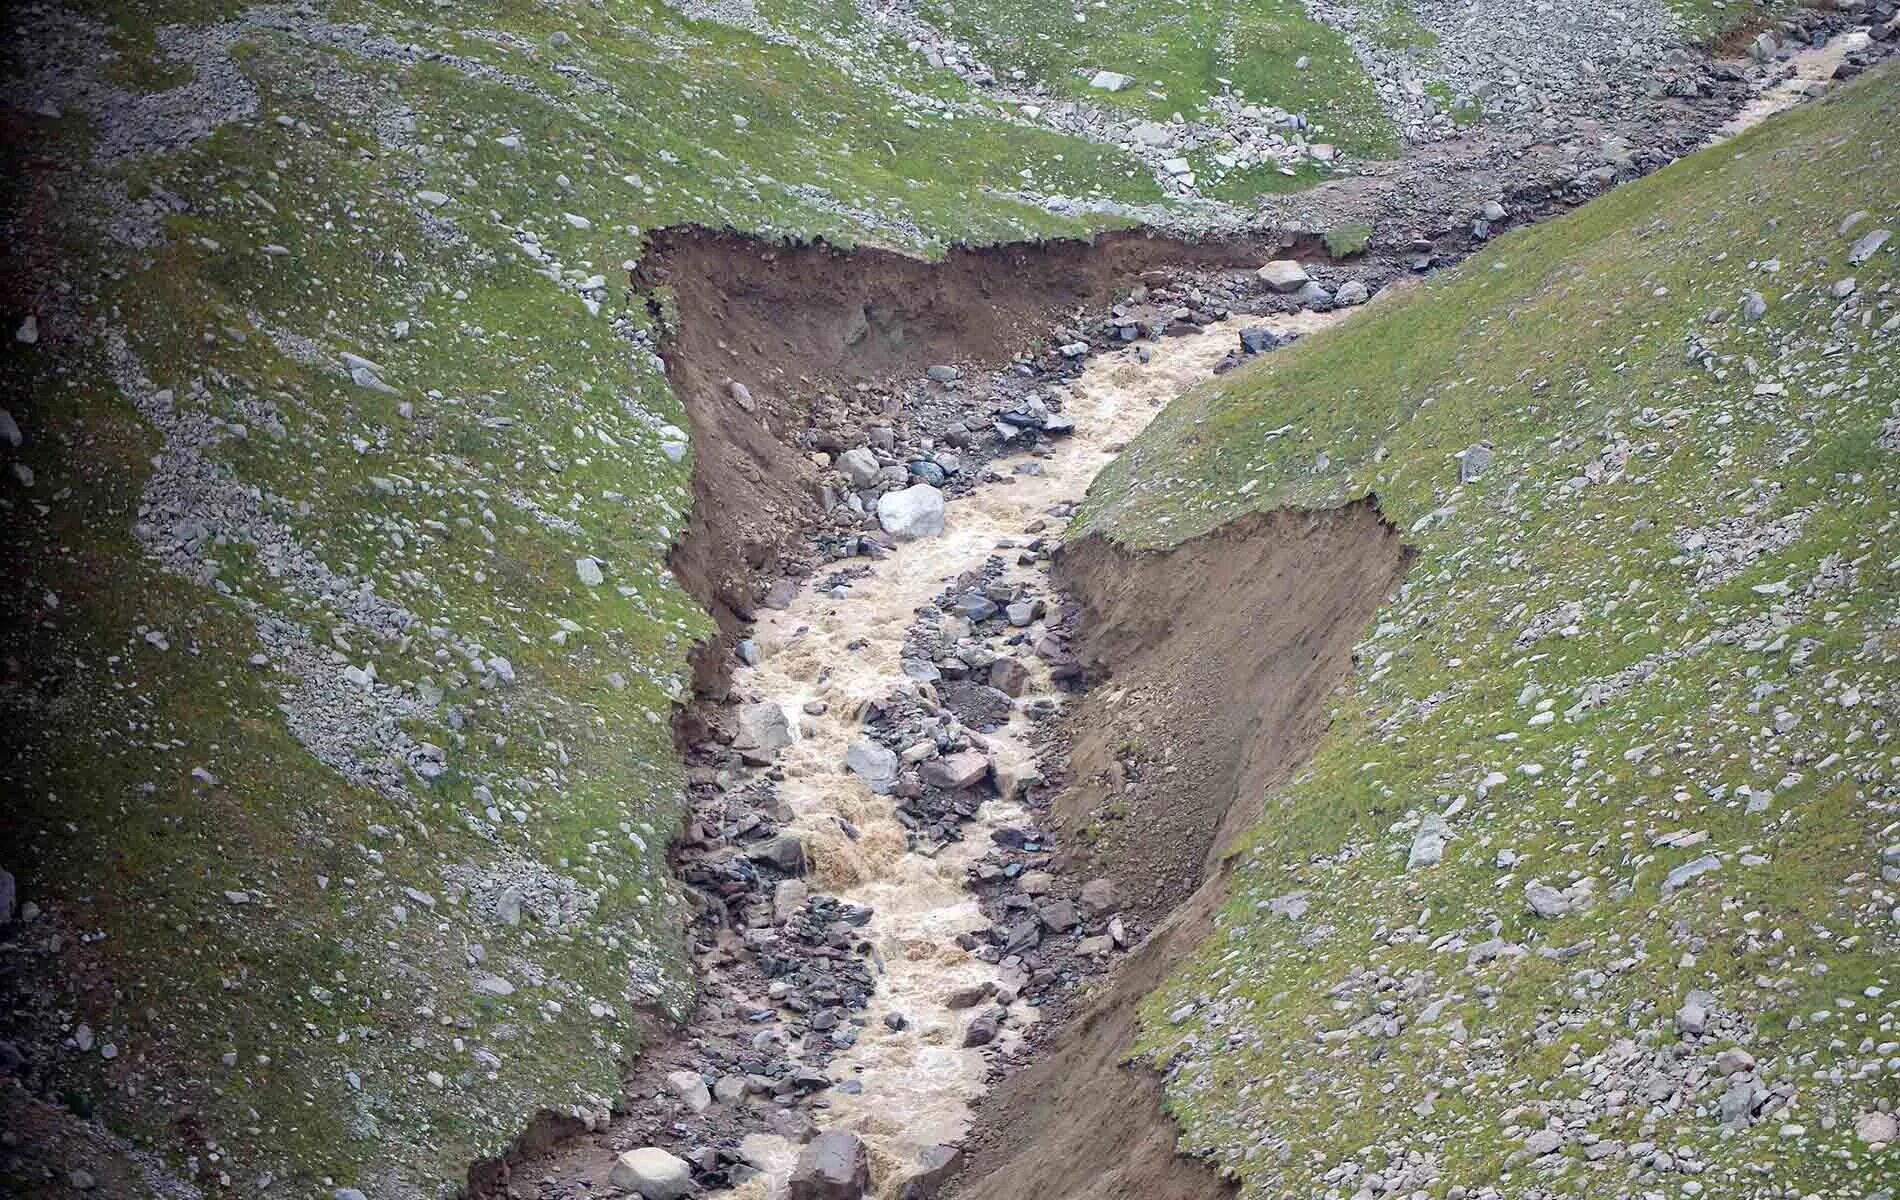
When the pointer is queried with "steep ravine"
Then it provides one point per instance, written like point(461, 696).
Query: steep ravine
point(785, 354)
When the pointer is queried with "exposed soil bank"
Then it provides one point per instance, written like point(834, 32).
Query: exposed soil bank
point(1224, 651)
point(798, 327)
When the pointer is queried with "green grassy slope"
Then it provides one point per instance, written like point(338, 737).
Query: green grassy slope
point(296, 974)
point(1656, 636)
point(1181, 53)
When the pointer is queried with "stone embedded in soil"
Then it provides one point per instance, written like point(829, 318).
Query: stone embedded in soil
point(1099, 897)
point(691, 1090)
point(653, 1174)
point(834, 1166)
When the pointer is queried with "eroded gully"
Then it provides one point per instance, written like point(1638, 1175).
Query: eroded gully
point(824, 660)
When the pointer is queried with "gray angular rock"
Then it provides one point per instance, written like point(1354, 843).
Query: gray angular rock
point(1867, 246)
point(1693, 1017)
point(875, 764)
point(833, 1166)
point(762, 728)
point(1428, 844)
point(786, 852)
point(653, 1173)
point(911, 513)
point(1284, 275)
point(935, 1166)
point(1681, 876)
point(860, 466)
point(965, 768)
point(690, 1088)
point(1474, 462)
point(1546, 901)
point(1059, 916)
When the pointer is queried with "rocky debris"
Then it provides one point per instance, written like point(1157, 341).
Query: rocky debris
point(833, 1166)
point(653, 1174)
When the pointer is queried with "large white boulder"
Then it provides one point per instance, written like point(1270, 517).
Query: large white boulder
point(653, 1173)
point(914, 512)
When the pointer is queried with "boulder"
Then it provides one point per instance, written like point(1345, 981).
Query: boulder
point(1009, 676)
point(875, 764)
point(983, 1030)
point(1876, 1128)
point(1152, 134)
point(1284, 275)
point(911, 513)
point(1059, 915)
point(1546, 901)
point(1257, 339)
point(691, 1089)
point(965, 768)
point(1474, 462)
point(1428, 844)
point(785, 852)
point(1099, 897)
point(935, 1166)
point(860, 466)
point(1352, 292)
point(969, 996)
point(833, 1166)
point(787, 898)
point(762, 728)
point(653, 1173)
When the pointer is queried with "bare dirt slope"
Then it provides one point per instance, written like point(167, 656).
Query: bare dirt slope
point(1225, 650)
